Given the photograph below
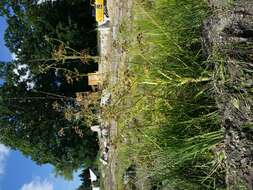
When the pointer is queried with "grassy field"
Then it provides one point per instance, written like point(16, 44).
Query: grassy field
point(169, 128)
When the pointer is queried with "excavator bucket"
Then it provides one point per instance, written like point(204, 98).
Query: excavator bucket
point(99, 5)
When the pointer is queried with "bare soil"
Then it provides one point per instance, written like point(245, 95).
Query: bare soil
point(113, 60)
point(228, 41)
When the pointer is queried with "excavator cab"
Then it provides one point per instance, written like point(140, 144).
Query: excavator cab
point(100, 10)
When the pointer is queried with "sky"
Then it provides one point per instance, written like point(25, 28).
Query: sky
point(18, 172)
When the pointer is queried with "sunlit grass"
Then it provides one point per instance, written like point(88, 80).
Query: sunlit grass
point(167, 116)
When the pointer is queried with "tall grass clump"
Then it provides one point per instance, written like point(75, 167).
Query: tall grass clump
point(172, 123)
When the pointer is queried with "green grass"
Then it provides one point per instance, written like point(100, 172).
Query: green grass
point(168, 120)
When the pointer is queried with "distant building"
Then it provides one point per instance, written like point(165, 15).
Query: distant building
point(93, 178)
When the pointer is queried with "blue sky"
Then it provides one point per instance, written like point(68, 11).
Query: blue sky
point(18, 172)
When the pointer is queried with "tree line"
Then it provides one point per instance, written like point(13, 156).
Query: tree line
point(52, 43)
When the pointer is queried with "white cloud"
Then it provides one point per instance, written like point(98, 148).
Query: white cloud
point(43, 1)
point(14, 56)
point(38, 184)
point(24, 75)
point(19, 68)
point(4, 152)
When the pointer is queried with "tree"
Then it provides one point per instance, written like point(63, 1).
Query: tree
point(85, 178)
point(32, 119)
point(3, 69)
point(31, 124)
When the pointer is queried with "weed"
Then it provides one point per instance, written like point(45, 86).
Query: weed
point(168, 121)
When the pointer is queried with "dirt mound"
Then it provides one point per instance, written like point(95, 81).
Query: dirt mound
point(228, 42)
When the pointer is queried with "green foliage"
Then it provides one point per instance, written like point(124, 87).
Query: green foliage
point(3, 70)
point(86, 183)
point(33, 103)
point(31, 124)
point(171, 126)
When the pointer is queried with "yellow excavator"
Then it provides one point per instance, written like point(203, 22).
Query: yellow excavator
point(101, 11)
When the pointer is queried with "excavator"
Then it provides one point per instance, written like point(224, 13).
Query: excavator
point(101, 13)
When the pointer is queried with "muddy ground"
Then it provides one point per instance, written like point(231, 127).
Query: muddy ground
point(228, 42)
point(113, 60)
